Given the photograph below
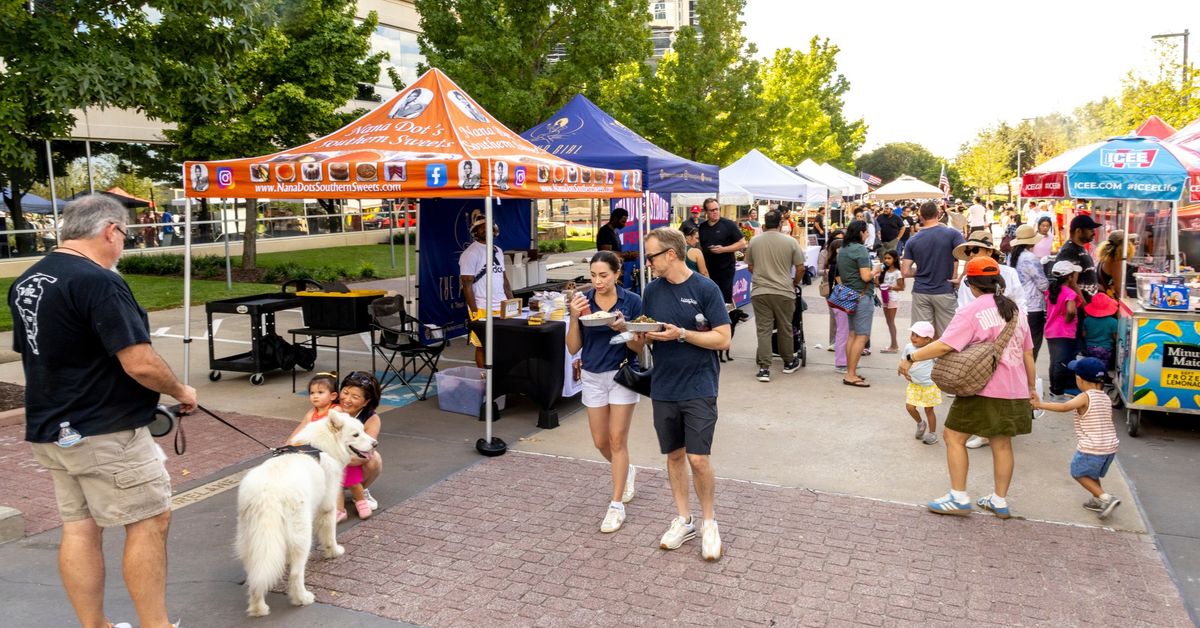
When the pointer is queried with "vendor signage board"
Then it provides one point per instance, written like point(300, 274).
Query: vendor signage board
point(1122, 186)
point(1164, 363)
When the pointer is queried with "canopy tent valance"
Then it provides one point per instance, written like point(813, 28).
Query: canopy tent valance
point(432, 140)
point(34, 204)
point(589, 136)
point(906, 187)
point(857, 185)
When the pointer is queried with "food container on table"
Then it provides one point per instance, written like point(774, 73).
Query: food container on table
point(1169, 296)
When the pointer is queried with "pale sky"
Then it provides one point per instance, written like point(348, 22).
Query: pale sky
point(913, 66)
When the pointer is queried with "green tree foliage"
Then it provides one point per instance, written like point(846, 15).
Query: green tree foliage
point(803, 93)
point(66, 55)
point(524, 59)
point(892, 160)
point(287, 90)
point(986, 162)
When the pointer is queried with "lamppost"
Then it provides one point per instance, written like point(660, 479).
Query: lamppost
point(1184, 35)
point(1020, 151)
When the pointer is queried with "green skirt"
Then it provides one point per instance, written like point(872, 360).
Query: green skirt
point(989, 416)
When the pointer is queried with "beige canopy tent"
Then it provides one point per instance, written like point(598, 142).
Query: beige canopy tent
point(906, 187)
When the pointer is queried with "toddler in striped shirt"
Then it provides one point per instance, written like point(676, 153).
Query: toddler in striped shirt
point(1097, 438)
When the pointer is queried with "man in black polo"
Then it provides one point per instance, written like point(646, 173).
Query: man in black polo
point(720, 238)
point(607, 238)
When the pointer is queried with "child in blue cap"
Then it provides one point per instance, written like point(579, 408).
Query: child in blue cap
point(1097, 438)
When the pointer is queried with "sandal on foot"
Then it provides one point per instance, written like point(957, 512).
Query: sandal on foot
point(862, 383)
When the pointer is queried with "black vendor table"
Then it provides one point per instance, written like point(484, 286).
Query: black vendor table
point(261, 309)
point(313, 335)
point(530, 360)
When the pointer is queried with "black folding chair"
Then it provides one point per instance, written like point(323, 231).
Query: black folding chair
point(407, 346)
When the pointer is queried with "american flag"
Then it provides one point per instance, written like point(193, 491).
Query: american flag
point(869, 178)
point(944, 182)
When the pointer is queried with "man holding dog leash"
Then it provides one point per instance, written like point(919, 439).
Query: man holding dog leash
point(92, 384)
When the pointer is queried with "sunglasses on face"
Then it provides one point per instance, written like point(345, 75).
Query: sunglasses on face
point(971, 250)
point(650, 256)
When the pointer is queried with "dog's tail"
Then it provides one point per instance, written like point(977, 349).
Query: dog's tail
point(262, 542)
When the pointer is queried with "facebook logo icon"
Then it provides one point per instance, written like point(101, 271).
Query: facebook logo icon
point(435, 175)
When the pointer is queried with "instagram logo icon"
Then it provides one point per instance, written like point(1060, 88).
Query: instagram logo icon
point(225, 178)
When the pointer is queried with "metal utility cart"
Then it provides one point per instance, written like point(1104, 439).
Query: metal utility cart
point(261, 309)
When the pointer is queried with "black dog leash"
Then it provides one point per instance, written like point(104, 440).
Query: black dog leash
point(181, 439)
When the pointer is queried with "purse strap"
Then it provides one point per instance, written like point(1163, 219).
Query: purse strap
point(1001, 341)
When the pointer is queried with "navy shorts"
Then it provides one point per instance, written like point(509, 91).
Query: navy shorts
point(686, 424)
point(1090, 465)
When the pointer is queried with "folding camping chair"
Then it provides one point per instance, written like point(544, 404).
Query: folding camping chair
point(407, 346)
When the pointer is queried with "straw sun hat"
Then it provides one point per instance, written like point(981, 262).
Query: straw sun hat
point(979, 239)
point(1026, 234)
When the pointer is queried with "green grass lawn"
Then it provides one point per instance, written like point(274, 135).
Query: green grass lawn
point(161, 293)
point(378, 255)
point(580, 244)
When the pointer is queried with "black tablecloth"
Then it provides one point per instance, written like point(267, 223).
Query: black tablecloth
point(527, 359)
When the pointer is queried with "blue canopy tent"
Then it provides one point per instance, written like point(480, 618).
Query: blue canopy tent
point(34, 204)
point(585, 134)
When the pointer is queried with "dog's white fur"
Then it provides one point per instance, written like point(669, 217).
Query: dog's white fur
point(281, 499)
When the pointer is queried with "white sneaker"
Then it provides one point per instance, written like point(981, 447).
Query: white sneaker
point(710, 542)
point(370, 500)
point(975, 442)
point(627, 494)
point(682, 529)
point(613, 520)
point(921, 427)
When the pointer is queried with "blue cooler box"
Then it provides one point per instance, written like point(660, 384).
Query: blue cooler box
point(460, 389)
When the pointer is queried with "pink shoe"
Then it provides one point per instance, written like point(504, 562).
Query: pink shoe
point(364, 509)
point(341, 516)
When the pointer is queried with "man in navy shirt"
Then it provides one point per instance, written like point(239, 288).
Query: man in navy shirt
point(686, 376)
point(931, 252)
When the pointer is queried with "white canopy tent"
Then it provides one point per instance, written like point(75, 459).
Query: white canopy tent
point(765, 179)
point(836, 184)
point(906, 187)
point(857, 185)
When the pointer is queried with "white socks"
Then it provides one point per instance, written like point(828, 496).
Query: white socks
point(959, 496)
point(999, 501)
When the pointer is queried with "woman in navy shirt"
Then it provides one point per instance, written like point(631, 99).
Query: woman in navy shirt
point(609, 405)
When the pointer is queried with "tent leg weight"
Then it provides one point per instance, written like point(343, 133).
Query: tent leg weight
point(547, 419)
point(495, 447)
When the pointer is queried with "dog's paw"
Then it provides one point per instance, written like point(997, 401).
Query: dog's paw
point(302, 598)
point(335, 551)
point(258, 609)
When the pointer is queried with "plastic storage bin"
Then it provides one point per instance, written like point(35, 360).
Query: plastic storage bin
point(345, 311)
point(460, 389)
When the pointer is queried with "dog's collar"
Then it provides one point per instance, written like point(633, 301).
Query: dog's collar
point(307, 450)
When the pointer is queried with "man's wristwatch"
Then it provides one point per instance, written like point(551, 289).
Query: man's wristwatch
point(682, 335)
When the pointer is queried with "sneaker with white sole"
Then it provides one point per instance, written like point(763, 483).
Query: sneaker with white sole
point(613, 519)
point(682, 529)
point(840, 369)
point(921, 427)
point(1107, 506)
point(975, 442)
point(792, 367)
point(627, 494)
point(370, 500)
point(987, 503)
point(1093, 504)
point(710, 542)
point(946, 505)
point(930, 438)
point(764, 375)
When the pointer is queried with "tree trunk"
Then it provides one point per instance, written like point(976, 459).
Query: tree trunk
point(250, 237)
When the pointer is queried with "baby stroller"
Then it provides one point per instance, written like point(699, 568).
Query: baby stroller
point(797, 331)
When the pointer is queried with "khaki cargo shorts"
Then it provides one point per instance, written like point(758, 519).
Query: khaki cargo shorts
point(116, 479)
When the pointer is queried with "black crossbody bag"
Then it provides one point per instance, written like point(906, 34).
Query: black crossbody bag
point(632, 377)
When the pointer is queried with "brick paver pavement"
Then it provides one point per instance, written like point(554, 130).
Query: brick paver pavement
point(26, 486)
point(514, 541)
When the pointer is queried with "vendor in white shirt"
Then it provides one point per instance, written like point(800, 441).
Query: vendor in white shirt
point(980, 245)
point(472, 270)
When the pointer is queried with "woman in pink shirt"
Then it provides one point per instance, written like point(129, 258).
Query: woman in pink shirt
point(1002, 409)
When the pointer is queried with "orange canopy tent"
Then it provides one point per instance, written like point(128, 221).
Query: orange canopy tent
point(432, 140)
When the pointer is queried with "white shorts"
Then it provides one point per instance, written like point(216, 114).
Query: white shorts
point(599, 390)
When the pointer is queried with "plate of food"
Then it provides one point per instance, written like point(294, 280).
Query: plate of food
point(598, 319)
point(643, 323)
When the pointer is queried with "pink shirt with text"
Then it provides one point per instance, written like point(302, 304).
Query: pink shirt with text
point(980, 321)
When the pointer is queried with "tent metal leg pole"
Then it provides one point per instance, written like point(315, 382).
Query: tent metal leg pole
point(87, 150)
point(187, 290)
point(53, 191)
point(228, 258)
point(489, 446)
point(392, 233)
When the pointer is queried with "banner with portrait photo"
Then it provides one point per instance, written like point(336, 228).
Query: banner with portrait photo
point(659, 215)
point(444, 226)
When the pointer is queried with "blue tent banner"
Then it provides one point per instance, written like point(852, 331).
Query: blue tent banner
point(585, 134)
point(660, 216)
point(444, 226)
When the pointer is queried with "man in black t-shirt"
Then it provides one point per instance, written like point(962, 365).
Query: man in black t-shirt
point(720, 238)
point(1083, 231)
point(85, 346)
point(890, 226)
point(818, 226)
point(607, 238)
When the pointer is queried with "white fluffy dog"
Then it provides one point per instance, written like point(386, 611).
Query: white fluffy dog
point(279, 501)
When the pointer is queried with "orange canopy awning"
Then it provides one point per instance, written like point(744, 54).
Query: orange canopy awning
point(430, 140)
